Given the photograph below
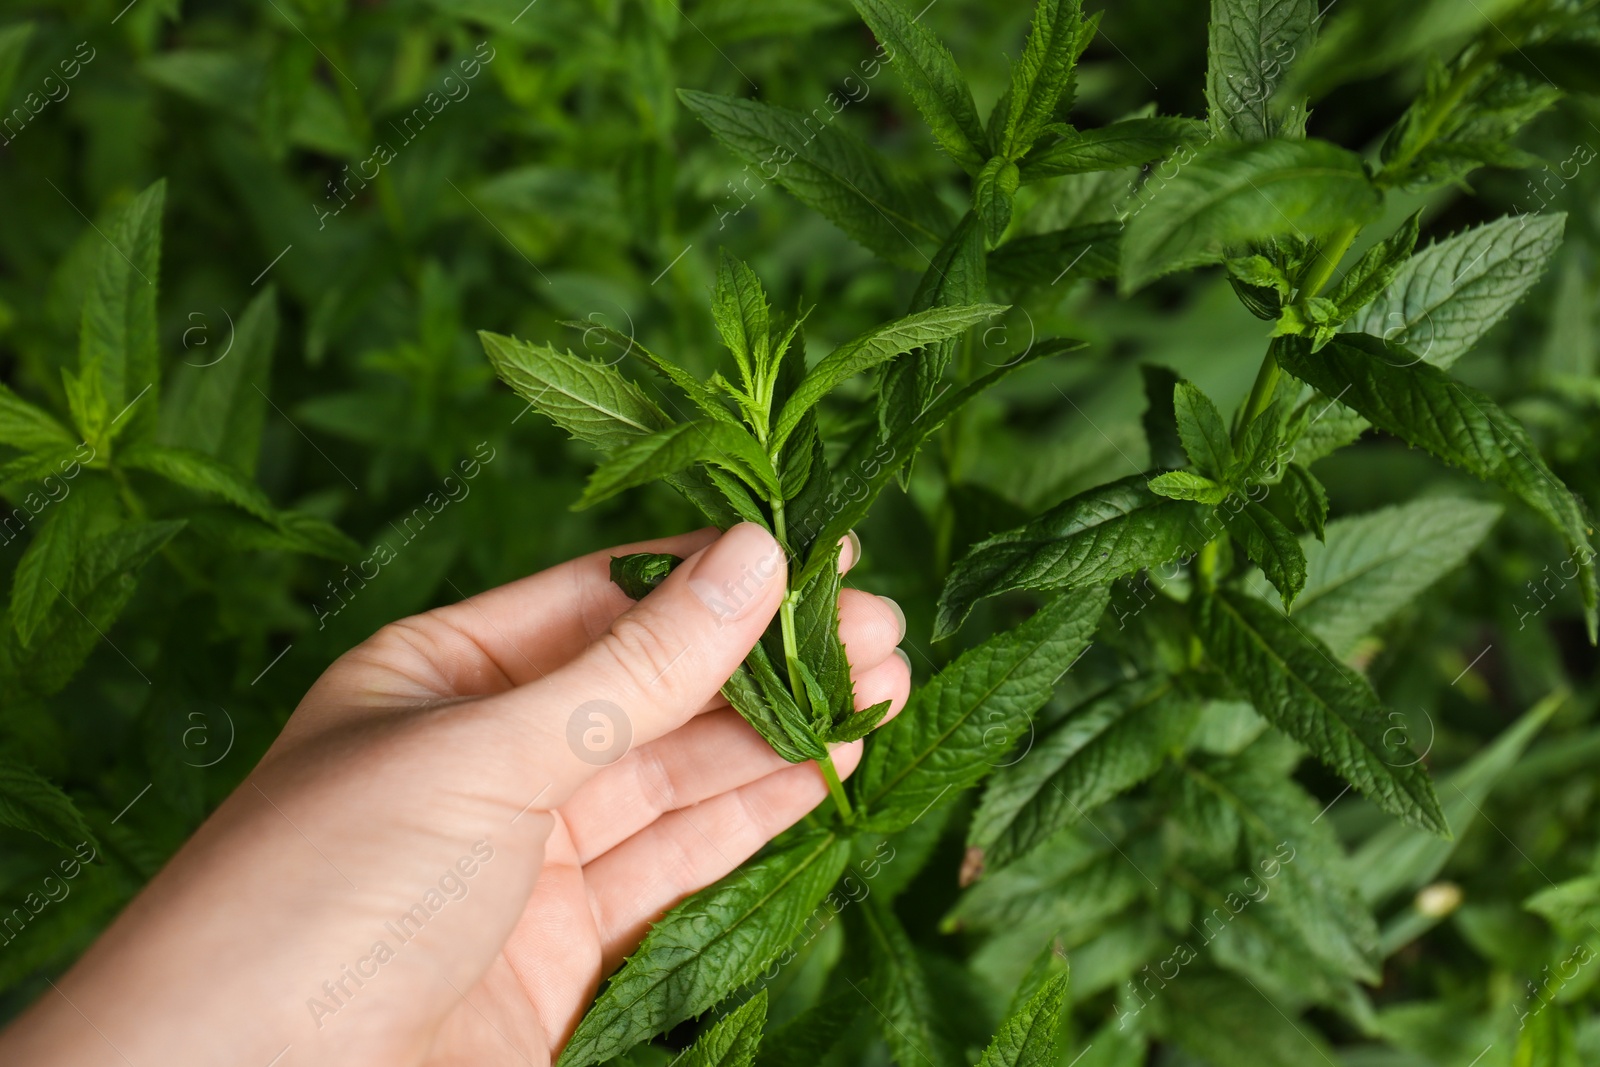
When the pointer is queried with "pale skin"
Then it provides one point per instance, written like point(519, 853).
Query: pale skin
point(438, 747)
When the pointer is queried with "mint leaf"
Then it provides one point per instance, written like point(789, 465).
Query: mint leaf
point(739, 309)
point(1308, 500)
point(1028, 1037)
point(993, 195)
point(708, 946)
point(669, 451)
point(1186, 485)
point(1422, 404)
point(29, 802)
point(1371, 566)
point(1040, 78)
point(117, 342)
point(1232, 195)
point(1087, 539)
point(1201, 429)
point(872, 460)
point(638, 573)
point(1250, 43)
point(198, 471)
point(1271, 546)
point(1446, 297)
point(932, 78)
point(828, 170)
point(30, 428)
point(807, 1038)
point(47, 566)
point(733, 1041)
point(1371, 275)
point(1295, 683)
point(216, 404)
point(905, 1008)
point(957, 726)
point(591, 401)
point(876, 346)
point(957, 276)
point(1129, 143)
point(1103, 747)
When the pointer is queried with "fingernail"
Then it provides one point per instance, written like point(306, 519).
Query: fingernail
point(731, 576)
point(899, 616)
point(855, 551)
point(904, 658)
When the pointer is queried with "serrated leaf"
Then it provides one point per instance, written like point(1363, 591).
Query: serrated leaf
point(104, 581)
point(1317, 895)
point(1250, 41)
point(1087, 251)
point(931, 77)
point(1104, 747)
point(1039, 77)
point(830, 171)
point(1401, 859)
point(1271, 545)
point(994, 194)
point(876, 346)
point(47, 566)
point(29, 428)
point(739, 309)
point(1446, 297)
point(216, 403)
point(1422, 404)
point(1201, 429)
point(1028, 1038)
point(1372, 565)
point(762, 698)
point(672, 450)
point(703, 396)
point(1186, 485)
point(957, 276)
point(1232, 195)
point(958, 725)
point(1088, 539)
point(1295, 683)
point(1308, 500)
point(708, 946)
point(29, 802)
point(638, 573)
point(198, 471)
point(1372, 274)
point(733, 1041)
point(1130, 143)
point(117, 342)
point(591, 401)
point(904, 1004)
point(873, 458)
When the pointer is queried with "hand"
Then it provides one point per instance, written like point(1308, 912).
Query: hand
point(445, 850)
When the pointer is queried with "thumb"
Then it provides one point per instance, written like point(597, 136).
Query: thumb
point(660, 662)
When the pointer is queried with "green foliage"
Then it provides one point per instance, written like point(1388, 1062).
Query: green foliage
point(790, 264)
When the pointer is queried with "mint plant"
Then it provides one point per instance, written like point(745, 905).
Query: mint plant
point(1239, 660)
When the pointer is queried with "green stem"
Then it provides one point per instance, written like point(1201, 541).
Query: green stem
point(797, 686)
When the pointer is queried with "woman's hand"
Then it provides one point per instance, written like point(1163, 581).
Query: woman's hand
point(469, 820)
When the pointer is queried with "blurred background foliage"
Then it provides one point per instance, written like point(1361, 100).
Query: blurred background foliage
point(316, 333)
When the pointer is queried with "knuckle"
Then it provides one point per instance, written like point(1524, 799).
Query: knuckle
point(641, 652)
